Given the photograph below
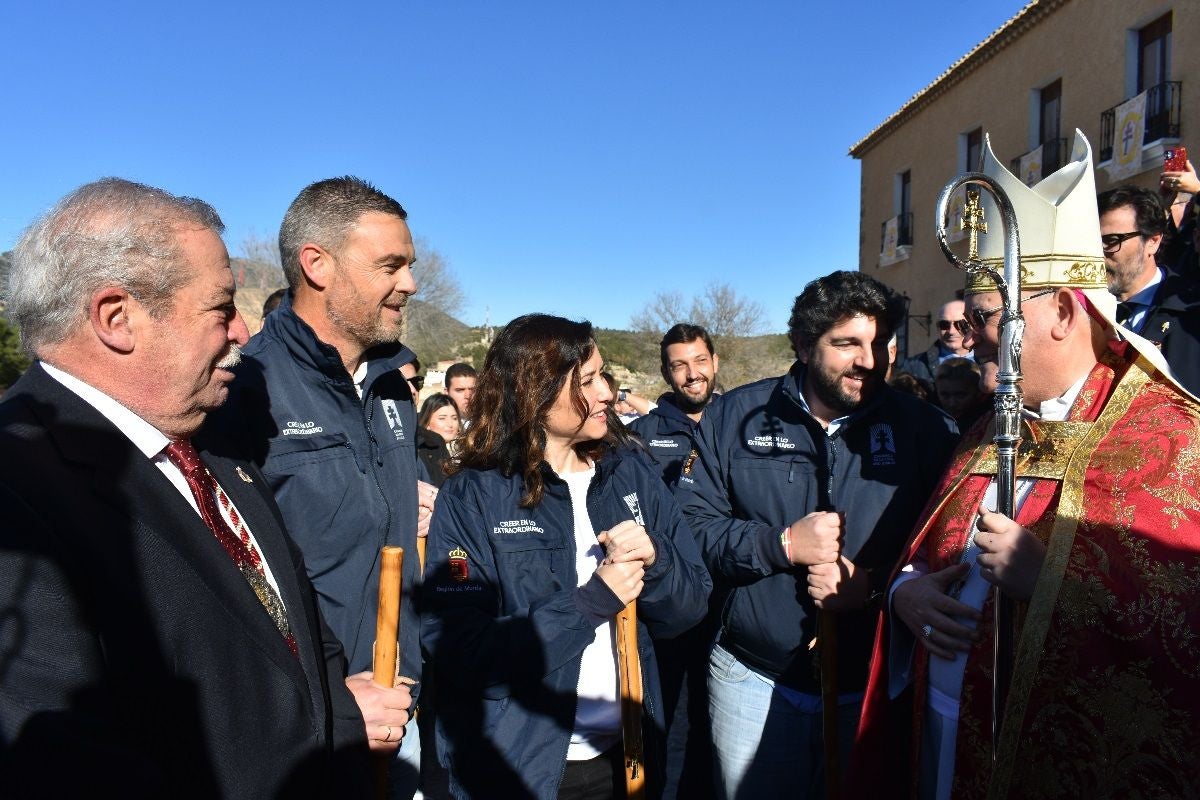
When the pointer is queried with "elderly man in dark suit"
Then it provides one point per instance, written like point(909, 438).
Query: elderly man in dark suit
point(159, 636)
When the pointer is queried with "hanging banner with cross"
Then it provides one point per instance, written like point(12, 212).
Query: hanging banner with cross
point(1130, 119)
point(1030, 166)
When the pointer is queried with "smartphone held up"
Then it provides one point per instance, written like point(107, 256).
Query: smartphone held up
point(1175, 159)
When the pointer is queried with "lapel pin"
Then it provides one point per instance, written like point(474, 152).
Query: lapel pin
point(242, 474)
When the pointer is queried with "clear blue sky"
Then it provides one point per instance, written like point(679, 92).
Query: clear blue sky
point(564, 156)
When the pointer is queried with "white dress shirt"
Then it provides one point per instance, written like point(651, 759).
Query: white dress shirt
point(152, 443)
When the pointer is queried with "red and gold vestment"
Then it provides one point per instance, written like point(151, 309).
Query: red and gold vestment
point(1104, 700)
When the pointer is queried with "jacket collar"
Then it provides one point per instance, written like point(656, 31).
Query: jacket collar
point(667, 409)
point(606, 464)
point(791, 388)
point(302, 343)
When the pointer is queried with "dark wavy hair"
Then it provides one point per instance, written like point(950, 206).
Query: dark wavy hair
point(1147, 208)
point(523, 374)
point(827, 301)
point(682, 333)
point(433, 404)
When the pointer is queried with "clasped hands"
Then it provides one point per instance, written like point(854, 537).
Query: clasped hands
point(834, 582)
point(1010, 557)
point(629, 552)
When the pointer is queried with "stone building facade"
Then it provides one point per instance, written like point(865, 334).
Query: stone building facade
point(1056, 66)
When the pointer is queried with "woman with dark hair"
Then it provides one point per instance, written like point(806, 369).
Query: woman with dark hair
point(549, 525)
point(437, 428)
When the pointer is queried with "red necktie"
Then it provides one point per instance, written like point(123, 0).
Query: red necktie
point(238, 545)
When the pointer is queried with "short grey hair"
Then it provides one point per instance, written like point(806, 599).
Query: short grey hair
point(323, 214)
point(112, 232)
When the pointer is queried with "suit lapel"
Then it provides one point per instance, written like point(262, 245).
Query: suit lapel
point(128, 483)
point(245, 488)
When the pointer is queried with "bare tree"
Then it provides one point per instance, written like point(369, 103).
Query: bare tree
point(719, 309)
point(262, 266)
point(663, 311)
point(437, 285)
point(728, 317)
point(432, 331)
point(724, 313)
point(263, 249)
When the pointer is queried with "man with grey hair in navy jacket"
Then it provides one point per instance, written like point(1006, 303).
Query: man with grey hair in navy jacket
point(320, 400)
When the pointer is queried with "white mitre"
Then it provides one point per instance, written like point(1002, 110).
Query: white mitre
point(1059, 225)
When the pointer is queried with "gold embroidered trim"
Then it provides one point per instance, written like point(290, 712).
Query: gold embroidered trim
point(967, 470)
point(1045, 450)
point(1079, 270)
point(1045, 593)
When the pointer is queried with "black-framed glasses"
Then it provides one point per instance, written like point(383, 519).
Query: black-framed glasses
point(418, 382)
point(1111, 242)
point(946, 324)
point(977, 320)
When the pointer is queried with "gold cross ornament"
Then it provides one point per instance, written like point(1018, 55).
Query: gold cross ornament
point(972, 222)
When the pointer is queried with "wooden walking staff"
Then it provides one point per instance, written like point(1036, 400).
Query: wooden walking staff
point(387, 638)
point(629, 667)
point(827, 642)
point(631, 702)
point(1008, 393)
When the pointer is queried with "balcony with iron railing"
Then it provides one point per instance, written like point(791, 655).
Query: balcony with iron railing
point(1163, 106)
point(1054, 155)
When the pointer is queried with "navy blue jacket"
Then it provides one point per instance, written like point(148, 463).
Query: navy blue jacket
point(344, 470)
point(505, 633)
point(669, 435)
point(1173, 323)
point(765, 463)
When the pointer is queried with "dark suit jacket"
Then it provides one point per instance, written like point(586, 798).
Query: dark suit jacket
point(135, 660)
point(1173, 323)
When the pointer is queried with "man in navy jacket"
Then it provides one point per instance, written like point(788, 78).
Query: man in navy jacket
point(689, 366)
point(807, 488)
point(671, 432)
point(320, 401)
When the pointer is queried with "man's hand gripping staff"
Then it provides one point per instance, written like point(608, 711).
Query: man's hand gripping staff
point(834, 584)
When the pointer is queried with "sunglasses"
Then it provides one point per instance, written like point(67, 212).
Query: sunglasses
point(977, 320)
point(417, 381)
point(1111, 242)
point(946, 324)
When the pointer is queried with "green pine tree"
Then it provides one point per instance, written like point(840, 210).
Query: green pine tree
point(12, 361)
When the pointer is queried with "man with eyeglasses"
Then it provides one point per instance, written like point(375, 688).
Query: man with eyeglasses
point(950, 344)
point(1099, 557)
point(1156, 303)
point(982, 310)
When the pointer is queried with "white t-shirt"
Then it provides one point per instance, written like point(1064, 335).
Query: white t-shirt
point(598, 713)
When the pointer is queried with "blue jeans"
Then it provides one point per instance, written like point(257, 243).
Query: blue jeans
point(764, 745)
point(404, 774)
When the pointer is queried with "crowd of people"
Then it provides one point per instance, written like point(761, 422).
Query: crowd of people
point(794, 582)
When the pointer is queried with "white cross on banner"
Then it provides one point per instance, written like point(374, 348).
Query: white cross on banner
point(1128, 135)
